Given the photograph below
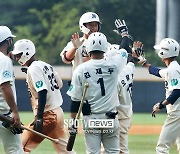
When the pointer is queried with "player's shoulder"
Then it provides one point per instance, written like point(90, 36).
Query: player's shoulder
point(81, 67)
point(36, 65)
point(173, 66)
point(4, 57)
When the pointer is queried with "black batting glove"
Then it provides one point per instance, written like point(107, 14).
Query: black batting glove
point(38, 124)
point(14, 130)
point(121, 27)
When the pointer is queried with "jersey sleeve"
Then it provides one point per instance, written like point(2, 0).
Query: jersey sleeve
point(163, 73)
point(128, 69)
point(38, 79)
point(75, 89)
point(67, 48)
point(6, 72)
point(174, 79)
point(59, 80)
point(120, 59)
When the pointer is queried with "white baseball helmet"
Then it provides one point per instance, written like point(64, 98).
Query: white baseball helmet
point(167, 48)
point(97, 42)
point(5, 33)
point(26, 47)
point(86, 18)
point(113, 49)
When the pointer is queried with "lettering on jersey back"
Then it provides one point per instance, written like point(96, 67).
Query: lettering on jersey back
point(87, 75)
point(127, 77)
point(110, 70)
point(45, 69)
point(98, 71)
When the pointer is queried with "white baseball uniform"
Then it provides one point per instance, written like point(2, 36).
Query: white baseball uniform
point(40, 76)
point(80, 52)
point(102, 76)
point(12, 143)
point(170, 130)
point(125, 82)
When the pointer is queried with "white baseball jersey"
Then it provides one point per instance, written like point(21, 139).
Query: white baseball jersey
point(80, 52)
point(40, 76)
point(171, 75)
point(102, 76)
point(125, 82)
point(6, 74)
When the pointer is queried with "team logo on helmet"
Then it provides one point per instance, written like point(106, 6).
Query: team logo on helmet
point(93, 16)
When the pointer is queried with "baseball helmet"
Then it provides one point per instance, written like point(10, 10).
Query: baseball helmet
point(5, 33)
point(167, 48)
point(112, 50)
point(86, 18)
point(26, 47)
point(97, 42)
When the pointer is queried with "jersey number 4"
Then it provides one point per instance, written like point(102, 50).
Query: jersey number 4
point(101, 82)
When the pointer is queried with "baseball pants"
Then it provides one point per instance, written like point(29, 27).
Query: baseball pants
point(12, 144)
point(169, 133)
point(124, 126)
point(109, 137)
point(53, 126)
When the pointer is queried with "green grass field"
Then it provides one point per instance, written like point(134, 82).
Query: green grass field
point(138, 144)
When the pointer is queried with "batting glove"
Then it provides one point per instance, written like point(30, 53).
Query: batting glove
point(14, 130)
point(157, 107)
point(121, 27)
point(38, 124)
point(138, 52)
point(76, 41)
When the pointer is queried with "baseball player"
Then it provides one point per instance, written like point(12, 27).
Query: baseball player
point(9, 135)
point(168, 50)
point(102, 76)
point(44, 87)
point(75, 51)
point(124, 86)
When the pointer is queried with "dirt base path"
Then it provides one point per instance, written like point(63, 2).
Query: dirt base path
point(145, 129)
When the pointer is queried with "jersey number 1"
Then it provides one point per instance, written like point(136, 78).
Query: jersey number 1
point(101, 82)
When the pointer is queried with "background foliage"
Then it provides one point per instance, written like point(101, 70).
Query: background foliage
point(50, 24)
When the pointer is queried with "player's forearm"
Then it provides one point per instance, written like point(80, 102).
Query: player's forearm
point(8, 96)
point(41, 103)
point(69, 55)
point(174, 96)
point(125, 44)
point(154, 70)
point(74, 108)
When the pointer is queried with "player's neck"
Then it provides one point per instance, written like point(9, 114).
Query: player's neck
point(97, 55)
point(3, 49)
point(29, 62)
